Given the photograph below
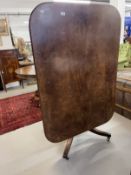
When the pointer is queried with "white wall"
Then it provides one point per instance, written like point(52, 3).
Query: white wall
point(24, 34)
point(6, 43)
point(19, 26)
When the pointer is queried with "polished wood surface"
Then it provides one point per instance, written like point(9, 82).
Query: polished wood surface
point(8, 52)
point(75, 48)
point(26, 72)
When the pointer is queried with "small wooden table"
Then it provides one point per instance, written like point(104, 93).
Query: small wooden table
point(26, 72)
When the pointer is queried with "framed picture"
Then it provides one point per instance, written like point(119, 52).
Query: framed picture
point(3, 27)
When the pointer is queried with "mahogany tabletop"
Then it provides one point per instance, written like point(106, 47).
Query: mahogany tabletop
point(26, 72)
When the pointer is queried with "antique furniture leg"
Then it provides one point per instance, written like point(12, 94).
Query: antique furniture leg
point(102, 133)
point(21, 83)
point(95, 131)
point(67, 148)
point(3, 84)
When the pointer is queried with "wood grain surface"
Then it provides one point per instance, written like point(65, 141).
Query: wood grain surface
point(26, 72)
point(75, 47)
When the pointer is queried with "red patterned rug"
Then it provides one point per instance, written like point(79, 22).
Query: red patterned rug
point(17, 112)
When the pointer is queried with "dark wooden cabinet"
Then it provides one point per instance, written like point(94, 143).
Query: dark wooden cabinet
point(123, 98)
point(8, 64)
